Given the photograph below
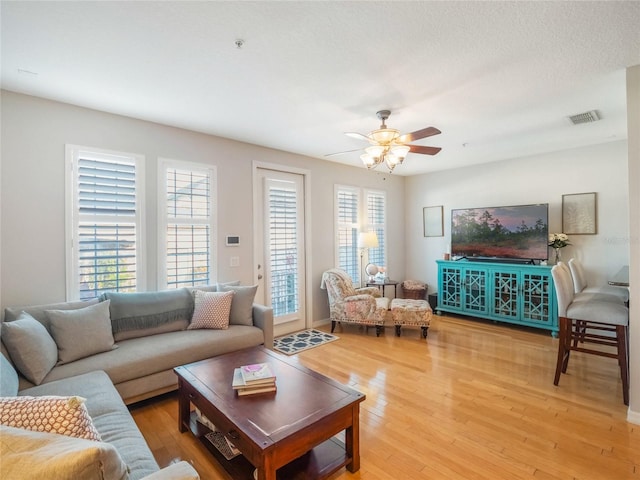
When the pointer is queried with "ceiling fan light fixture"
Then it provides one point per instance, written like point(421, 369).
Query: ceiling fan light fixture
point(400, 151)
point(369, 161)
point(375, 151)
point(384, 135)
point(392, 160)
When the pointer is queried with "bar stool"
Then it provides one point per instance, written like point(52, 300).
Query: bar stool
point(589, 320)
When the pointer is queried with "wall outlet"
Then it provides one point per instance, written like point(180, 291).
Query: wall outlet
point(234, 261)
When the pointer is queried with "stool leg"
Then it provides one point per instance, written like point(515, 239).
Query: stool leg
point(333, 325)
point(378, 330)
point(425, 330)
point(621, 333)
point(398, 330)
point(563, 350)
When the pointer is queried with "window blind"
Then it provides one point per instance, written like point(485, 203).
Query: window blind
point(106, 231)
point(188, 247)
point(347, 230)
point(377, 222)
point(283, 245)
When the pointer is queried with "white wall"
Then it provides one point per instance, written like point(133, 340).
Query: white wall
point(34, 133)
point(633, 126)
point(537, 179)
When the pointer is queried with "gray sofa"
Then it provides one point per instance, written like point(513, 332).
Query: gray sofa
point(150, 338)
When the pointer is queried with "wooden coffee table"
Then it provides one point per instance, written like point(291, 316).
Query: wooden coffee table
point(288, 434)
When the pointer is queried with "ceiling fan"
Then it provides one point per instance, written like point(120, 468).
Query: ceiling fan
point(388, 146)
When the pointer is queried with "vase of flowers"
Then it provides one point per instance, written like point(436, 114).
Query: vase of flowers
point(557, 241)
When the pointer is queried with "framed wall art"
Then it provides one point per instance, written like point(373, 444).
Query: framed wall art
point(433, 221)
point(579, 214)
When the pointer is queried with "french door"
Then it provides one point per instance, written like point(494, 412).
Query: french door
point(280, 248)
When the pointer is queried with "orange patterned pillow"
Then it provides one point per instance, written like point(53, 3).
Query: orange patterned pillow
point(211, 310)
point(52, 414)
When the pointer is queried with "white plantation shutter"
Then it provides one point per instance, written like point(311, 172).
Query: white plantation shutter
point(104, 227)
point(284, 247)
point(347, 208)
point(188, 201)
point(357, 210)
point(376, 221)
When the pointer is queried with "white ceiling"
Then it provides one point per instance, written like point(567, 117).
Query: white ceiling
point(498, 78)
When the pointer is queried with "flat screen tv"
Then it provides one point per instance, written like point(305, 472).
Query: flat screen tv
point(517, 232)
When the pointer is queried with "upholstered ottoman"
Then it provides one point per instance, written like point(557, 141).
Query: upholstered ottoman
point(408, 312)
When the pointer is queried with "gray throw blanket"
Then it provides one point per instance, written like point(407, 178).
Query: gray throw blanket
point(133, 311)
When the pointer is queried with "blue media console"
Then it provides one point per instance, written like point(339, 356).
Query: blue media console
point(504, 292)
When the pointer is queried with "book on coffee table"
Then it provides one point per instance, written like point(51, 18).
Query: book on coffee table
point(257, 386)
point(257, 373)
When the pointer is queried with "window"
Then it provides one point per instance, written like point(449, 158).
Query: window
point(359, 210)
point(104, 222)
point(285, 203)
point(376, 222)
point(186, 224)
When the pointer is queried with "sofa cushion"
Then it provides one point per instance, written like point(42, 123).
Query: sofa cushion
point(38, 455)
point(211, 310)
point(39, 311)
point(242, 303)
point(136, 313)
point(139, 357)
point(52, 414)
point(8, 378)
point(108, 412)
point(30, 346)
point(83, 332)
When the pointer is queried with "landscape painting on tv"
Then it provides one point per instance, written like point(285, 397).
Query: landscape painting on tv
point(514, 232)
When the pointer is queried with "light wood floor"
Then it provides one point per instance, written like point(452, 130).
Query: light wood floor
point(476, 400)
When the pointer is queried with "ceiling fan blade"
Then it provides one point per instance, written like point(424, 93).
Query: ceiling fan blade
point(357, 136)
point(340, 153)
point(418, 134)
point(424, 150)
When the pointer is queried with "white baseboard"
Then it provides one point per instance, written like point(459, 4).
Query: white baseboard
point(318, 323)
point(633, 417)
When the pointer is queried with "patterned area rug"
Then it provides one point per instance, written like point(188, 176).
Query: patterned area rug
point(300, 341)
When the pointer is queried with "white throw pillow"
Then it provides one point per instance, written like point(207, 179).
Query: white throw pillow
point(62, 415)
point(211, 310)
point(30, 455)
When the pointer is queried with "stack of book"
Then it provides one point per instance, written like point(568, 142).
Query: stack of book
point(254, 378)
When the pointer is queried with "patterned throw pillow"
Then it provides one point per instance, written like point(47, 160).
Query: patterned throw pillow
point(211, 310)
point(52, 414)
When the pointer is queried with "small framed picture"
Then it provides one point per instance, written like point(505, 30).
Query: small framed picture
point(432, 221)
point(579, 214)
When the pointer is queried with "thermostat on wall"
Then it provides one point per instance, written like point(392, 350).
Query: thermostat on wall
point(233, 240)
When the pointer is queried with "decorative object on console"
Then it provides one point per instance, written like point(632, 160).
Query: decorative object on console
point(558, 241)
point(366, 240)
point(388, 146)
point(579, 214)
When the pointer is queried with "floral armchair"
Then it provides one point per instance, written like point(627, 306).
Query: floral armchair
point(364, 306)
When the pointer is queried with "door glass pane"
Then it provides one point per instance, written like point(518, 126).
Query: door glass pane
point(283, 249)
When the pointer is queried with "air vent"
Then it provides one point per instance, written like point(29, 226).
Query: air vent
point(586, 117)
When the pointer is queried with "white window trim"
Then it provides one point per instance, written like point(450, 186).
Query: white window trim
point(72, 154)
point(163, 164)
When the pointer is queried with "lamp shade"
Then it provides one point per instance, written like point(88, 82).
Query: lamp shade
point(367, 240)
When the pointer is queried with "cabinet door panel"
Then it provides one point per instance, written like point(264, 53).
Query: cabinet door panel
point(450, 294)
point(475, 290)
point(505, 288)
point(536, 301)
